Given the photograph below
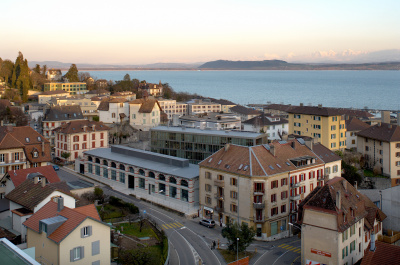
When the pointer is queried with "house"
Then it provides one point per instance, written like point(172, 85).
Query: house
point(46, 96)
point(73, 88)
point(244, 113)
point(353, 126)
point(11, 254)
point(128, 95)
point(22, 147)
point(63, 235)
point(164, 180)
point(54, 74)
point(198, 106)
point(259, 185)
point(337, 223)
point(144, 113)
point(381, 253)
point(333, 162)
point(101, 84)
point(30, 196)
point(390, 199)
point(57, 115)
point(98, 93)
point(152, 89)
point(76, 137)
point(210, 120)
point(115, 110)
point(273, 126)
point(380, 147)
point(225, 104)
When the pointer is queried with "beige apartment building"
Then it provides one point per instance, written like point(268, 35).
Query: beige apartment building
point(171, 107)
point(260, 185)
point(202, 106)
point(380, 147)
point(337, 223)
point(76, 137)
point(327, 125)
point(46, 96)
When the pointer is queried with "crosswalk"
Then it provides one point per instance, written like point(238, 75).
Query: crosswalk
point(291, 248)
point(172, 225)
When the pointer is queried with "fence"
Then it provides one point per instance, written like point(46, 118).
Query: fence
point(395, 235)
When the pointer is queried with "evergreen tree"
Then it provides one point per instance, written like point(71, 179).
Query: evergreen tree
point(72, 74)
point(37, 69)
point(44, 70)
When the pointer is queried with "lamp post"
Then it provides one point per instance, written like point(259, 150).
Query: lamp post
point(237, 250)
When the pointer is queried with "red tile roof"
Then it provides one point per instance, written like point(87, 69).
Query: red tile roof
point(384, 254)
point(382, 132)
point(355, 124)
point(146, 104)
point(19, 176)
point(80, 126)
point(74, 218)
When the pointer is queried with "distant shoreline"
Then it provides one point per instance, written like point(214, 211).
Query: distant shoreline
point(211, 69)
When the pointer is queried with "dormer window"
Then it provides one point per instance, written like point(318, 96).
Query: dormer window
point(35, 154)
point(344, 218)
point(39, 138)
point(27, 139)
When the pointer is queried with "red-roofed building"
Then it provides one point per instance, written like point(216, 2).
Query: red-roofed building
point(62, 235)
point(382, 254)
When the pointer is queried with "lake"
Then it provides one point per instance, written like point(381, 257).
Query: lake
point(357, 89)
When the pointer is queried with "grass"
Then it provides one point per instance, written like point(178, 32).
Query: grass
point(110, 212)
point(133, 230)
point(370, 174)
point(231, 256)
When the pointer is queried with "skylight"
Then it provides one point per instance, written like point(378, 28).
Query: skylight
point(220, 161)
point(245, 168)
point(271, 167)
point(27, 139)
point(278, 165)
point(241, 165)
point(209, 160)
point(287, 163)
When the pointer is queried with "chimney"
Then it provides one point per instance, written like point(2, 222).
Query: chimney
point(320, 106)
point(345, 184)
point(309, 143)
point(338, 200)
point(301, 104)
point(372, 248)
point(227, 147)
point(2, 123)
point(60, 204)
point(43, 182)
point(42, 146)
point(272, 149)
point(385, 116)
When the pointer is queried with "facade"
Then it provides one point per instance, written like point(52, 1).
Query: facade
point(46, 96)
point(273, 126)
point(333, 162)
point(144, 113)
point(152, 89)
point(114, 110)
point(259, 185)
point(202, 106)
point(211, 120)
point(22, 147)
point(167, 181)
point(244, 113)
point(380, 147)
point(54, 74)
point(86, 104)
point(353, 126)
point(390, 205)
point(128, 95)
point(58, 115)
point(226, 105)
point(98, 93)
point(62, 235)
point(196, 144)
point(337, 223)
point(73, 88)
point(76, 137)
point(173, 108)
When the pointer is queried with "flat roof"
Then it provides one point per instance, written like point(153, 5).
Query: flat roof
point(11, 254)
point(148, 160)
point(236, 134)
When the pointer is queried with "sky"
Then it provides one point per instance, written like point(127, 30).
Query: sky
point(152, 31)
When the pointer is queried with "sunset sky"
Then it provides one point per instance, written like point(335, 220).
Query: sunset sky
point(134, 32)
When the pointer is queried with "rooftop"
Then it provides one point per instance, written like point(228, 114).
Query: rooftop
point(146, 104)
point(354, 124)
point(62, 113)
point(382, 132)
point(246, 111)
point(325, 153)
point(265, 120)
point(211, 117)
point(384, 254)
point(81, 126)
point(19, 176)
point(11, 254)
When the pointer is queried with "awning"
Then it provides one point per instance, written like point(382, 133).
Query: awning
point(208, 209)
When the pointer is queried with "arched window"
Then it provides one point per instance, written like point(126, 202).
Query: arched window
point(122, 167)
point(97, 160)
point(161, 177)
point(90, 158)
point(141, 172)
point(132, 170)
point(184, 183)
point(113, 165)
point(105, 162)
point(152, 175)
point(172, 180)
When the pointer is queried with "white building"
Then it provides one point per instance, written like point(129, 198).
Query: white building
point(203, 106)
point(113, 110)
point(173, 108)
point(144, 113)
point(273, 126)
point(211, 120)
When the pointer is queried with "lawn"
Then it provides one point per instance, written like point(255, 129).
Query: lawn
point(133, 230)
point(231, 256)
point(368, 173)
point(110, 212)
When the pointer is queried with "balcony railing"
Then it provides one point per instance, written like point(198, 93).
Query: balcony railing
point(10, 161)
point(259, 219)
point(219, 196)
point(295, 185)
point(259, 205)
point(219, 209)
point(295, 197)
point(219, 183)
point(258, 192)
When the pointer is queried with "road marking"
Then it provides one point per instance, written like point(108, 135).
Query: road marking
point(179, 260)
point(295, 259)
point(290, 248)
point(172, 225)
point(280, 257)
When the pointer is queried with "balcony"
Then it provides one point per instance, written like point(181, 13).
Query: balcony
point(258, 192)
point(295, 185)
point(259, 219)
point(12, 162)
point(219, 196)
point(219, 209)
point(259, 205)
point(219, 183)
point(295, 198)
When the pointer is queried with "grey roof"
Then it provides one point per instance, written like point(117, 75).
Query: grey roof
point(152, 161)
point(53, 220)
point(62, 113)
point(237, 134)
point(79, 184)
point(373, 194)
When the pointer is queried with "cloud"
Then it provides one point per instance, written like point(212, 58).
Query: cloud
point(271, 56)
point(324, 54)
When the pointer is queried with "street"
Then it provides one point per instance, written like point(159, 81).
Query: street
point(191, 242)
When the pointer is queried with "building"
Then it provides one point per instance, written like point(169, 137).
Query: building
point(333, 162)
point(87, 105)
point(62, 235)
point(73, 88)
point(144, 113)
point(58, 115)
point(164, 180)
point(22, 147)
point(46, 96)
point(244, 113)
point(225, 104)
point(152, 89)
point(173, 108)
point(353, 126)
point(128, 95)
point(101, 84)
point(273, 126)
point(259, 185)
point(196, 144)
point(76, 137)
point(114, 110)
point(54, 74)
point(202, 106)
point(11, 254)
point(337, 223)
point(390, 205)
point(30, 196)
point(381, 253)
point(210, 120)
point(98, 93)
point(380, 147)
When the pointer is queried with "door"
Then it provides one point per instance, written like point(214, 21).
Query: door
point(82, 168)
point(131, 181)
point(274, 228)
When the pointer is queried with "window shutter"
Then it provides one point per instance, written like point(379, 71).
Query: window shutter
point(95, 247)
point(82, 232)
point(255, 186)
point(262, 187)
point(304, 189)
point(82, 252)
point(71, 255)
point(90, 230)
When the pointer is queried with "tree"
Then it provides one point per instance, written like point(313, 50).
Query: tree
point(72, 74)
point(6, 71)
point(44, 70)
point(98, 194)
point(245, 234)
point(65, 155)
point(127, 78)
point(140, 256)
point(350, 173)
point(37, 69)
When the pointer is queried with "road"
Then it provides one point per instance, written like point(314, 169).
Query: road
point(191, 242)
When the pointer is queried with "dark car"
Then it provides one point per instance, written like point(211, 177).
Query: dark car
point(207, 222)
point(56, 168)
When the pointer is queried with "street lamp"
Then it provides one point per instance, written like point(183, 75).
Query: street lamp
point(237, 250)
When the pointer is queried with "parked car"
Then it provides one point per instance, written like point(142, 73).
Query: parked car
point(207, 222)
point(56, 168)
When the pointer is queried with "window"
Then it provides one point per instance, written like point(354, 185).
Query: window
point(345, 235)
point(94, 136)
point(352, 246)
point(207, 187)
point(234, 208)
point(352, 229)
point(2, 158)
point(208, 200)
point(398, 145)
point(84, 146)
point(76, 139)
point(35, 154)
point(184, 183)
point(273, 197)
point(133, 116)
point(335, 169)
point(284, 182)
point(113, 175)
point(233, 181)
point(113, 115)
point(234, 195)
point(274, 184)
point(284, 195)
point(283, 208)
point(333, 136)
point(105, 172)
point(16, 156)
point(77, 254)
point(208, 175)
point(302, 177)
point(345, 252)
point(334, 118)
point(84, 137)
point(333, 127)
point(141, 172)
point(333, 145)
point(86, 231)
point(317, 118)
point(297, 124)
point(90, 168)
point(297, 116)
point(274, 211)
point(97, 170)
point(172, 180)
point(121, 177)
point(152, 175)
point(93, 144)
point(366, 148)
point(142, 184)
point(76, 146)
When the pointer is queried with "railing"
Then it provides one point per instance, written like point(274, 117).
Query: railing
point(295, 185)
point(219, 196)
point(219, 183)
point(258, 192)
point(259, 219)
point(295, 197)
point(219, 209)
point(10, 161)
point(259, 205)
